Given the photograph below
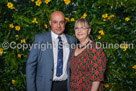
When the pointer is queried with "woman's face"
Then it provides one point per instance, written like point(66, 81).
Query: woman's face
point(82, 31)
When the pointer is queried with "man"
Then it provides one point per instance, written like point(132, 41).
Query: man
point(48, 70)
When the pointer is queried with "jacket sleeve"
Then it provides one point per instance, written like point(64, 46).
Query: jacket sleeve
point(31, 66)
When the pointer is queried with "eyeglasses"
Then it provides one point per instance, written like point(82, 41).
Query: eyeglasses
point(82, 28)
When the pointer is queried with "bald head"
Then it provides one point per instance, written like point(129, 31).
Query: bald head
point(57, 22)
point(57, 13)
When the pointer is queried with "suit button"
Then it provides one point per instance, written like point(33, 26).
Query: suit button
point(51, 69)
point(50, 79)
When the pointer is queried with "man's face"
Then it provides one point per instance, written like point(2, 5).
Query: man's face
point(57, 23)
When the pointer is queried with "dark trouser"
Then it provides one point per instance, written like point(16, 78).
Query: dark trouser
point(59, 85)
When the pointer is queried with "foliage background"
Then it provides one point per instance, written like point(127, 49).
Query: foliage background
point(120, 73)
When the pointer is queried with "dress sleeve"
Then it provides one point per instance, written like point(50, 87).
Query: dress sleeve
point(97, 63)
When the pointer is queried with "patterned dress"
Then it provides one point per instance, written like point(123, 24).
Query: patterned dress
point(86, 67)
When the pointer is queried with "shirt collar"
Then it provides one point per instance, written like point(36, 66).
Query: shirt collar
point(55, 36)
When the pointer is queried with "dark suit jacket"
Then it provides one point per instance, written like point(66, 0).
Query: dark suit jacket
point(39, 67)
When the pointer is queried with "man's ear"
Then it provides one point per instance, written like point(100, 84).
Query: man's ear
point(50, 22)
point(65, 22)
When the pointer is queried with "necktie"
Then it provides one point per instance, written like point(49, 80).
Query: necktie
point(60, 58)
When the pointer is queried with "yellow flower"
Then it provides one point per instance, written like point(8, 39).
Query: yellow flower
point(13, 81)
point(82, 17)
point(99, 37)
point(72, 19)
point(101, 32)
point(47, 1)
point(127, 19)
point(38, 2)
point(106, 85)
point(104, 15)
point(121, 46)
point(17, 36)
point(34, 21)
point(104, 19)
point(11, 25)
point(12, 8)
point(66, 18)
point(17, 28)
point(109, 17)
point(67, 1)
point(134, 67)
point(32, 0)
point(19, 55)
point(124, 47)
point(10, 5)
point(1, 50)
point(23, 41)
point(112, 15)
point(45, 25)
point(84, 14)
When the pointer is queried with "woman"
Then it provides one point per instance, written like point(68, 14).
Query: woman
point(88, 62)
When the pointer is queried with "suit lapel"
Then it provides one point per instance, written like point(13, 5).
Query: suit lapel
point(48, 41)
point(48, 38)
